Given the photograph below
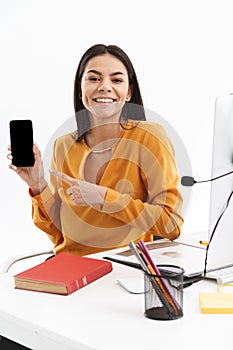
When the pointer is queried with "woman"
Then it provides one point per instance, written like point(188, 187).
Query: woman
point(115, 179)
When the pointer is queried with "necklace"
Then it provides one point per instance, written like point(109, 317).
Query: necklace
point(101, 150)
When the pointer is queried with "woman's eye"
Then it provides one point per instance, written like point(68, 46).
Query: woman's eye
point(94, 78)
point(117, 80)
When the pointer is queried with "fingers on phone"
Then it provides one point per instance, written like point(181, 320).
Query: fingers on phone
point(13, 167)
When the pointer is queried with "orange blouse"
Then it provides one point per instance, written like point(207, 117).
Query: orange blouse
point(142, 199)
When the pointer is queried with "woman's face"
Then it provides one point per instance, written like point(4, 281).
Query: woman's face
point(105, 87)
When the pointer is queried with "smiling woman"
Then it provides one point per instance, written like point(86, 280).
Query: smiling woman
point(114, 179)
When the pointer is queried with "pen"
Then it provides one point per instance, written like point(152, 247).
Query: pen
point(157, 288)
point(154, 270)
point(203, 243)
point(124, 262)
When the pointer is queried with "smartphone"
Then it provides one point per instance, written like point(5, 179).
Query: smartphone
point(21, 139)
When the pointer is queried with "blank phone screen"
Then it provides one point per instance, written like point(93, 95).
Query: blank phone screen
point(21, 136)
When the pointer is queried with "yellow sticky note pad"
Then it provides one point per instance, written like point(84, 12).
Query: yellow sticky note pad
point(216, 303)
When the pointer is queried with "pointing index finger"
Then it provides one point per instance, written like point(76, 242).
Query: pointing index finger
point(66, 178)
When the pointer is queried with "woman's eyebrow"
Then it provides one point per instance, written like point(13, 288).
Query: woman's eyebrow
point(93, 71)
point(99, 73)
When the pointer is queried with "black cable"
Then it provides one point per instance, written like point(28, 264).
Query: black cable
point(190, 181)
point(214, 229)
point(215, 178)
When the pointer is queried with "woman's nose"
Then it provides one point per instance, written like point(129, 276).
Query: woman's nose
point(105, 85)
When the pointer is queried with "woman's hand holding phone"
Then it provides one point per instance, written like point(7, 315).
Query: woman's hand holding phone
point(33, 176)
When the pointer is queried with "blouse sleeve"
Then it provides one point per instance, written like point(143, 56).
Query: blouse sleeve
point(46, 210)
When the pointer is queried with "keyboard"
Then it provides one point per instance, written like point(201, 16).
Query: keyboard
point(223, 275)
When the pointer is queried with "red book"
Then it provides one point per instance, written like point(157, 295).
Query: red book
point(62, 274)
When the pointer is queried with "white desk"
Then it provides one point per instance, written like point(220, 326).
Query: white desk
point(104, 316)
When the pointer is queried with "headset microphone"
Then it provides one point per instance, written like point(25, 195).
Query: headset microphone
point(189, 180)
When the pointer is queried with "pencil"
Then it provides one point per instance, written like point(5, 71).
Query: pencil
point(157, 288)
point(155, 271)
point(204, 243)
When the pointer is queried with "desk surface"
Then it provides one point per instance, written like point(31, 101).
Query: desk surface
point(104, 316)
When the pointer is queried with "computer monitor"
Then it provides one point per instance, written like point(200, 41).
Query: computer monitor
point(222, 163)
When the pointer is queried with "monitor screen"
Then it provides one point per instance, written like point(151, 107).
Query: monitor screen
point(221, 189)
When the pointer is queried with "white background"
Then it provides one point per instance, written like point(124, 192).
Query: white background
point(181, 51)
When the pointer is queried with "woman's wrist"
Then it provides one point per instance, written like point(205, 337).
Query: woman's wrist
point(102, 193)
point(38, 188)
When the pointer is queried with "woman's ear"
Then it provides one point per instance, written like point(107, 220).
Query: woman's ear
point(129, 95)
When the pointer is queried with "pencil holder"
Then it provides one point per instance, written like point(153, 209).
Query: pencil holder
point(164, 293)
